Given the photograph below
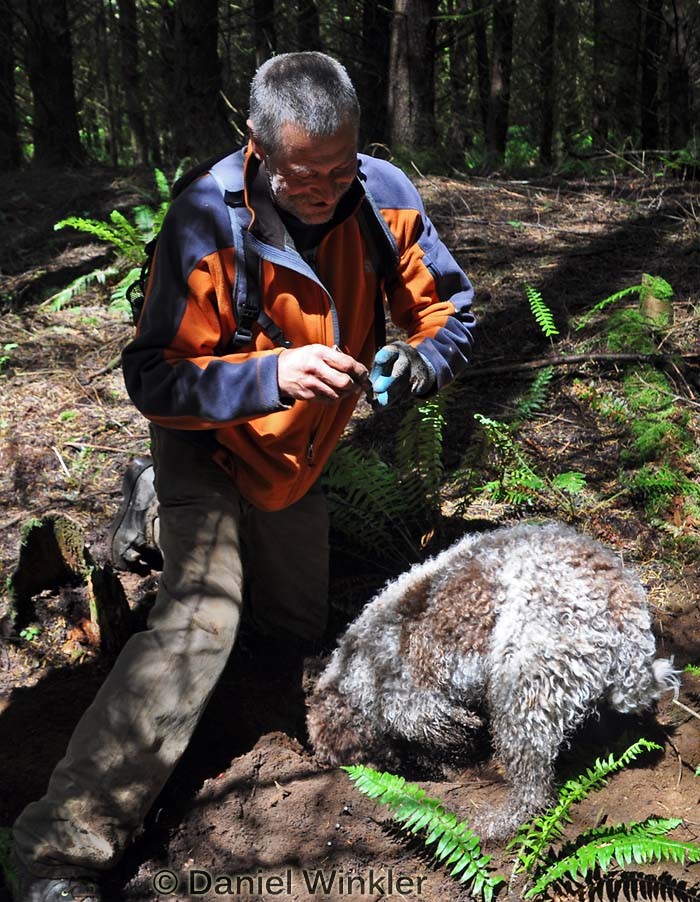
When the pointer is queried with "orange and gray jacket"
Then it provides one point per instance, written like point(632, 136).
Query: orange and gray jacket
point(181, 372)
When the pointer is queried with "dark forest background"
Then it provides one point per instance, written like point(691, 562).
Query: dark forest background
point(460, 84)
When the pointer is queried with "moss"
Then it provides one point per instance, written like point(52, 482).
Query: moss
point(630, 331)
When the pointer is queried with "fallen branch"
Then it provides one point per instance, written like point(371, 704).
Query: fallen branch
point(686, 708)
point(569, 359)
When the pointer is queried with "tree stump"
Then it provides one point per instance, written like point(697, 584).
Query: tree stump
point(53, 557)
point(655, 301)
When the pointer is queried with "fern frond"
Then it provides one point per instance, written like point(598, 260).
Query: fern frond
point(145, 218)
point(162, 184)
point(624, 844)
point(533, 400)
point(543, 315)
point(533, 837)
point(119, 237)
point(455, 843)
point(606, 302)
point(571, 482)
point(370, 503)
point(419, 447)
point(119, 302)
point(632, 885)
point(131, 238)
point(79, 286)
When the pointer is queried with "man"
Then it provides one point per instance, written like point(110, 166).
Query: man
point(242, 432)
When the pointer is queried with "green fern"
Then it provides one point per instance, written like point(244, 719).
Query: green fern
point(518, 482)
point(80, 286)
point(534, 837)
point(632, 885)
point(654, 285)
point(535, 397)
point(371, 505)
point(624, 844)
point(419, 447)
point(656, 485)
point(456, 845)
point(572, 482)
point(385, 509)
point(543, 315)
point(127, 238)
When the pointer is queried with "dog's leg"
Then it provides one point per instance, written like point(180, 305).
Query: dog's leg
point(532, 707)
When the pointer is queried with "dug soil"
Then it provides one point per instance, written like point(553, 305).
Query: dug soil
point(248, 804)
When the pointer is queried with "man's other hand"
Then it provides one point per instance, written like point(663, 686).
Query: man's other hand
point(319, 373)
point(398, 370)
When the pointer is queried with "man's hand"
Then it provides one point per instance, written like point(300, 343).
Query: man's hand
point(319, 373)
point(398, 370)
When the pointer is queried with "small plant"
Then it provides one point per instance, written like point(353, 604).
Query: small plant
point(543, 315)
point(456, 845)
point(598, 847)
point(537, 857)
point(518, 482)
point(5, 357)
point(534, 399)
point(649, 286)
point(128, 240)
point(30, 633)
point(385, 508)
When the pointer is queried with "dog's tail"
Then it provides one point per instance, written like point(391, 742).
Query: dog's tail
point(666, 677)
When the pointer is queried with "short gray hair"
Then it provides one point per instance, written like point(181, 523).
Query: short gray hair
point(309, 89)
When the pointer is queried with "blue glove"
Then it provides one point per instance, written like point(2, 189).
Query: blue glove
point(399, 370)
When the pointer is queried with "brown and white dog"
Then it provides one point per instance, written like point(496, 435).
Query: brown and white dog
point(528, 627)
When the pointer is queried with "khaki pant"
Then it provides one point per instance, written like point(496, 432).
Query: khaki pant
point(131, 737)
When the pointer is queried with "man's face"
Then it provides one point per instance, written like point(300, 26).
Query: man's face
point(308, 175)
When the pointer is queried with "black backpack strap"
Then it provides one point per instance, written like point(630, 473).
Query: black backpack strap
point(246, 286)
point(384, 254)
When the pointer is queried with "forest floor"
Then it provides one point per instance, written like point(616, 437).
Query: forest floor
point(248, 799)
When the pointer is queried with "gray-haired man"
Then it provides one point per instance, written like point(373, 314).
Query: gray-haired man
point(246, 409)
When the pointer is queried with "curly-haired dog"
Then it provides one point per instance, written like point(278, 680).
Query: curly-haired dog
point(532, 626)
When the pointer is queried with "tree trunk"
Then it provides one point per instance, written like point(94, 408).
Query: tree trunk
point(129, 55)
point(50, 72)
point(649, 100)
point(308, 26)
point(571, 118)
point(501, 68)
point(458, 130)
point(159, 122)
point(548, 17)
point(265, 39)
point(679, 125)
point(374, 72)
point(483, 64)
point(627, 23)
point(199, 113)
point(10, 153)
point(411, 103)
point(599, 125)
point(105, 70)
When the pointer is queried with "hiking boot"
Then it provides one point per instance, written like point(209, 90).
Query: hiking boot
point(130, 537)
point(27, 887)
